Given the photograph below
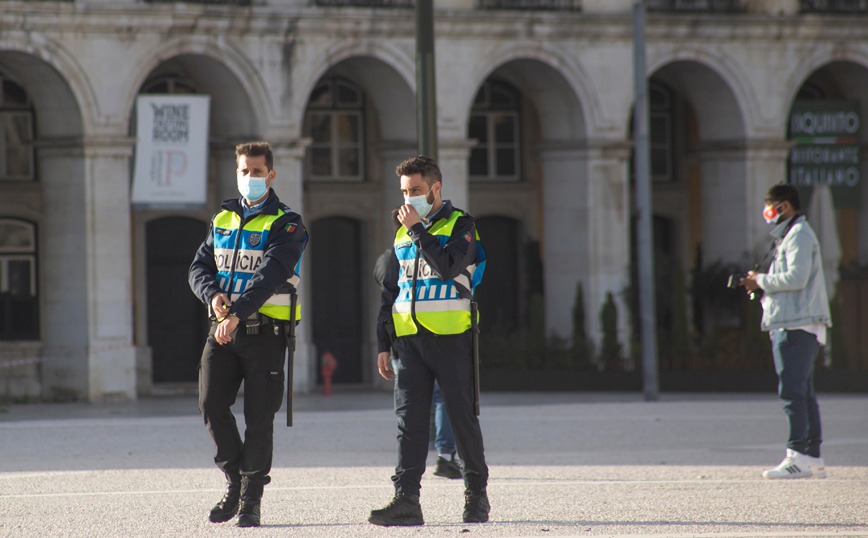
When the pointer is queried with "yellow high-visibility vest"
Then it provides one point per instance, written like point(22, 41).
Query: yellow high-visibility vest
point(238, 253)
point(441, 306)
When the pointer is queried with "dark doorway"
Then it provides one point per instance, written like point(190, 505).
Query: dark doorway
point(336, 279)
point(177, 320)
point(500, 291)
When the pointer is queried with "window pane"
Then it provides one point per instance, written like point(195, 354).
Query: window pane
point(159, 87)
point(478, 128)
point(659, 126)
point(348, 96)
point(179, 87)
point(349, 162)
point(479, 162)
point(321, 96)
point(479, 101)
point(321, 128)
point(660, 163)
point(18, 140)
point(504, 128)
point(21, 320)
point(502, 97)
point(13, 94)
point(321, 161)
point(348, 128)
point(657, 97)
point(16, 236)
point(19, 278)
point(505, 162)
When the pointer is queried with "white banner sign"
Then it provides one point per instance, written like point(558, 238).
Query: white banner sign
point(172, 150)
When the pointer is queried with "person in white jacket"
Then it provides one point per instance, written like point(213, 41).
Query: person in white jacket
point(796, 315)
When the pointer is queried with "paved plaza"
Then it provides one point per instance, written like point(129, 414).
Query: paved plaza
point(562, 464)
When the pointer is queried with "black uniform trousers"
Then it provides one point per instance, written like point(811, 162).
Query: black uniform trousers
point(422, 358)
point(258, 360)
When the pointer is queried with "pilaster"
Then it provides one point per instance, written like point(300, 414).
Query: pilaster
point(108, 265)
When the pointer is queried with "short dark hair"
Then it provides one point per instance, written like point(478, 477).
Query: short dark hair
point(256, 149)
point(784, 193)
point(425, 166)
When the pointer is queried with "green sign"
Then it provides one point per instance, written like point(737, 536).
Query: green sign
point(825, 150)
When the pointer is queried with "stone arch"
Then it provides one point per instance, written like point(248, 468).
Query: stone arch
point(572, 86)
point(841, 76)
point(735, 88)
point(385, 58)
point(808, 66)
point(56, 83)
point(231, 67)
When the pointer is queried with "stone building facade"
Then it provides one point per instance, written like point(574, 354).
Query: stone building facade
point(534, 123)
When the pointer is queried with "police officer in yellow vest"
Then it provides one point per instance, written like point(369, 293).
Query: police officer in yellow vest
point(245, 271)
point(437, 261)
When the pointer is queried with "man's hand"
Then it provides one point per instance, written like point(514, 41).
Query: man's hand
point(408, 216)
point(749, 282)
point(384, 364)
point(223, 335)
point(220, 304)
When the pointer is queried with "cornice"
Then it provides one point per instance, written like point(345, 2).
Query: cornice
point(276, 21)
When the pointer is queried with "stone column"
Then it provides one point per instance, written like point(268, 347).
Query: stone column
point(454, 153)
point(726, 206)
point(766, 163)
point(289, 186)
point(111, 359)
point(609, 216)
point(565, 234)
point(586, 235)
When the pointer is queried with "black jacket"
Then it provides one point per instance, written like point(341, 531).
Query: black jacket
point(280, 256)
point(447, 262)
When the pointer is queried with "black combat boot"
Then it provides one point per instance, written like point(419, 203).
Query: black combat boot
point(476, 505)
point(251, 496)
point(447, 468)
point(228, 505)
point(403, 510)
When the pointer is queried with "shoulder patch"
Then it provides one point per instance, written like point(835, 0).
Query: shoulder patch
point(467, 237)
point(290, 227)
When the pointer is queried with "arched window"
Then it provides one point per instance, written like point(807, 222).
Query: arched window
point(661, 118)
point(171, 84)
point(16, 132)
point(494, 123)
point(335, 123)
point(19, 312)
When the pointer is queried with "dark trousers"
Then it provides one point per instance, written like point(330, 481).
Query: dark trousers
point(257, 360)
point(448, 359)
point(795, 353)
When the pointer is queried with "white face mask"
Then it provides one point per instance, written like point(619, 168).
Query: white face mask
point(420, 203)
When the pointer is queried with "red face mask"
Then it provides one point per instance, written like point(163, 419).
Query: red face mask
point(771, 214)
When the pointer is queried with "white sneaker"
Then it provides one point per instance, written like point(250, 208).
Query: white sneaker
point(795, 465)
point(817, 467)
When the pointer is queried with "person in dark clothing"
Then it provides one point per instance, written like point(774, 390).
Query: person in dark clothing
point(427, 290)
point(246, 271)
point(447, 465)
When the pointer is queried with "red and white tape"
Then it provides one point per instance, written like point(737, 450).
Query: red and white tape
point(52, 357)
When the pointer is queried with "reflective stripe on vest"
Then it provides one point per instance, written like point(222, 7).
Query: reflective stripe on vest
point(441, 306)
point(246, 248)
